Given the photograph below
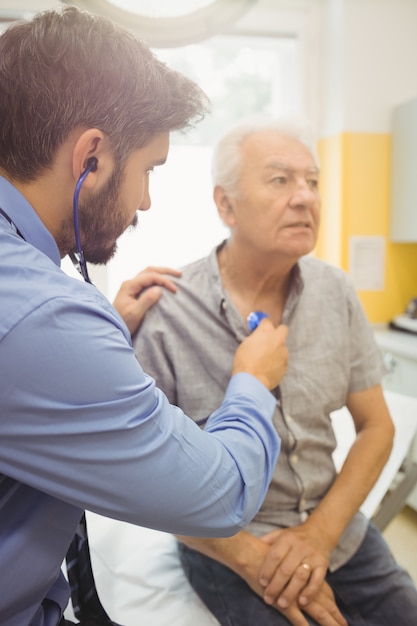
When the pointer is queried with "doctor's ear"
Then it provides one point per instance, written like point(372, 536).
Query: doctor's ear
point(92, 154)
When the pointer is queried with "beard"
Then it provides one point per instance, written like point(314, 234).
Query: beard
point(101, 220)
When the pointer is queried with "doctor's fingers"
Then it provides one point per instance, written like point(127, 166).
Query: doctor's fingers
point(280, 332)
point(149, 277)
point(135, 310)
point(138, 294)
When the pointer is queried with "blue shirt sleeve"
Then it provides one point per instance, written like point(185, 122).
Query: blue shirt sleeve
point(89, 427)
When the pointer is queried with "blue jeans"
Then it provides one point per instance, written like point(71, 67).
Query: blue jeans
point(371, 589)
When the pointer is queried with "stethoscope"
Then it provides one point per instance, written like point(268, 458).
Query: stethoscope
point(77, 257)
point(254, 318)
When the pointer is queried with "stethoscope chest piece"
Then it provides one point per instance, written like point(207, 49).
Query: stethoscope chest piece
point(254, 318)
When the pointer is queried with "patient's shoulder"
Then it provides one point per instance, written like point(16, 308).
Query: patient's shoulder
point(312, 268)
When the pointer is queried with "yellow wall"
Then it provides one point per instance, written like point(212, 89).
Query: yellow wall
point(355, 190)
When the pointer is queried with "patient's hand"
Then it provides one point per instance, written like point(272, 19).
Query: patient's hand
point(321, 607)
point(137, 295)
point(294, 567)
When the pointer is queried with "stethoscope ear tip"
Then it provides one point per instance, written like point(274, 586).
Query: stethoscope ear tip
point(92, 164)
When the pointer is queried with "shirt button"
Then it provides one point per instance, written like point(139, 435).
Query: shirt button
point(303, 516)
point(289, 418)
point(294, 458)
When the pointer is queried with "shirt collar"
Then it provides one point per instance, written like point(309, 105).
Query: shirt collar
point(216, 286)
point(27, 221)
point(296, 288)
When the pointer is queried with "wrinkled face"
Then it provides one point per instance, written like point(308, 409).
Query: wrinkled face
point(106, 214)
point(277, 206)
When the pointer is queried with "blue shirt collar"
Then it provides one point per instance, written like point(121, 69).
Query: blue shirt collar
point(27, 221)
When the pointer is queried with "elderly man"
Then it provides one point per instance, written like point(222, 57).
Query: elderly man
point(309, 540)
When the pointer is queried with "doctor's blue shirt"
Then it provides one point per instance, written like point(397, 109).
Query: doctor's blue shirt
point(83, 427)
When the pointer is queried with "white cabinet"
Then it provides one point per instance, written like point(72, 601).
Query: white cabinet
point(400, 357)
point(403, 227)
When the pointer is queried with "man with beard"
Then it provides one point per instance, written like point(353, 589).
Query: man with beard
point(86, 112)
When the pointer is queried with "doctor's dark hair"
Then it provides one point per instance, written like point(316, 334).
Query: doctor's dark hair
point(68, 69)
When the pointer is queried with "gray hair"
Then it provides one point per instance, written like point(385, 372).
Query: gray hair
point(226, 160)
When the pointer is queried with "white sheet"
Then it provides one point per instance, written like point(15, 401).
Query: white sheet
point(139, 577)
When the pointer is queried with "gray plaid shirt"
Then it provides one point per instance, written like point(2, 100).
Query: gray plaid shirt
point(187, 343)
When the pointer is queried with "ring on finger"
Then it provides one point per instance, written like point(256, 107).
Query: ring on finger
point(306, 566)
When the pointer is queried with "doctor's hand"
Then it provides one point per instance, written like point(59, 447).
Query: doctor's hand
point(263, 354)
point(137, 295)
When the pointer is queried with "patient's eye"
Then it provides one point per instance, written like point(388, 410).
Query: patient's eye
point(280, 180)
point(313, 183)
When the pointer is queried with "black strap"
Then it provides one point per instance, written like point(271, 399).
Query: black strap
point(4, 214)
point(85, 601)
point(65, 622)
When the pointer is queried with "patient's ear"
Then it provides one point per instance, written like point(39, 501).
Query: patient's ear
point(225, 205)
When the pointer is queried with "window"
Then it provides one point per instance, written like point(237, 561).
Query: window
point(242, 75)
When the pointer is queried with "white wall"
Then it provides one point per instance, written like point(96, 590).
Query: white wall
point(368, 58)
point(358, 57)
